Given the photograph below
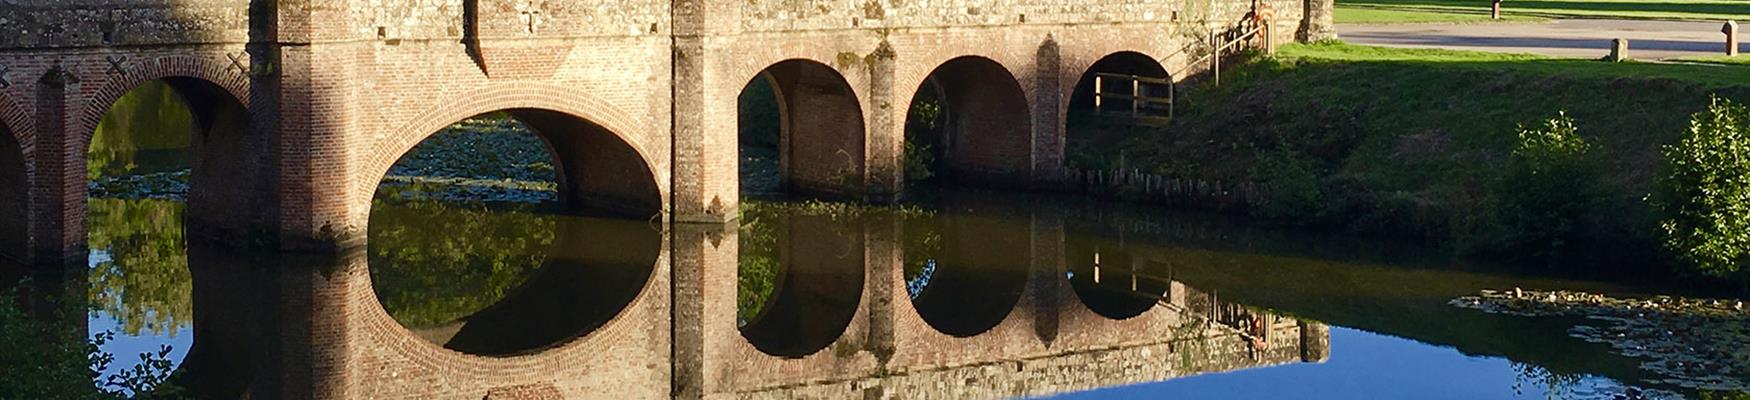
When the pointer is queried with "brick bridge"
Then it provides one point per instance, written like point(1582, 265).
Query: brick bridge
point(302, 105)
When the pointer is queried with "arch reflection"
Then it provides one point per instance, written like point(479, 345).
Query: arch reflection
point(1110, 280)
point(801, 278)
point(965, 273)
point(503, 283)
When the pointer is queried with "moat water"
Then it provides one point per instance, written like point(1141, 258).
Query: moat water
point(485, 268)
point(437, 268)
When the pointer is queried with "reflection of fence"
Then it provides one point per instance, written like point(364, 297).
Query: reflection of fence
point(1150, 99)
point(1203, 307)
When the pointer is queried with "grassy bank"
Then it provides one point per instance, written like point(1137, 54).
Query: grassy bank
point(1402, 11)
point(1417, 142)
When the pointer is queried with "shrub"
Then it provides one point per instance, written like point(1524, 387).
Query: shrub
point(1546, 195)
point(1703, 192)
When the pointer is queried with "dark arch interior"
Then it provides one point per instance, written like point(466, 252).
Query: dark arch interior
point(598, 173)
point(1093, 132)
point(801, 131)
point(966, 273)
point(812, 266)
point(14, 226)
point(969, 121)
point(1109, 281)
point(514, 231)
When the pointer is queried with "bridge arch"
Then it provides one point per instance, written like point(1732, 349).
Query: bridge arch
point(983, 130)
point(1085, 125)
point(16, 173)
point(817, 130)
point(219, 74)
point(603, 165)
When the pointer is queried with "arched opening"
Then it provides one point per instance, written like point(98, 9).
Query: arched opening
point(164, 147)
point(1111, 281)
point(965, 273)
point(969, 121)
point(801, 132)
point(1118, 95)
point(14, 205)
point(512, 232)
point(800, 278)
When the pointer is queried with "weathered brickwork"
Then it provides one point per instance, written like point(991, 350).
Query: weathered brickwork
point(312, 101)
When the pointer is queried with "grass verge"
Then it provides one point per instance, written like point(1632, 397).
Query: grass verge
point(1415, 142)
point(1432, 10)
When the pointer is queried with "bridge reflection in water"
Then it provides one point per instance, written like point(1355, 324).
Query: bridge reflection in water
point(1008, 305)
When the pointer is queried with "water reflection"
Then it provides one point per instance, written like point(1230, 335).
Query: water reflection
point(505, 282)
point(966, 268)
point(1111, 281)
point(800, 278)
point(1082, 295)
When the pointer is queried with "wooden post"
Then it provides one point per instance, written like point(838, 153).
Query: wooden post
point(1495, 10)
point(1215, 62)
point(1731, 31)
point(1098, 81)
point(1136, 96)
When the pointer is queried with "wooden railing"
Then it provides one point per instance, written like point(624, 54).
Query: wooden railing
point(1141, 92)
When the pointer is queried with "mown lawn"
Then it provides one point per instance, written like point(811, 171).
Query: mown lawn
point(1404, 11)
point(1727, 72)
point(1722, 60)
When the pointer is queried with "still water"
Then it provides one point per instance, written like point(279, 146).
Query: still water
point(501, 280)
point(953, 294)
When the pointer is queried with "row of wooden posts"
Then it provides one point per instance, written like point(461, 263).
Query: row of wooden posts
point(1137, 185)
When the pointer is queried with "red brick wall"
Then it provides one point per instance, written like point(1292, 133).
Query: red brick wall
point(822, 138)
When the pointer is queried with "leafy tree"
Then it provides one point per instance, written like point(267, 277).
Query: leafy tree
point(1703, 193)
point(41, 359)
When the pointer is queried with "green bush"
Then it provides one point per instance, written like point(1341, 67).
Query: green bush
point(1546, 196)
point(1703, 193)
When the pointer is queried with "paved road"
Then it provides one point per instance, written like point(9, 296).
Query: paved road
point(1587, 38)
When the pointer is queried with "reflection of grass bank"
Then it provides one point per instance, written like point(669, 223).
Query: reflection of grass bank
point(1416, 142)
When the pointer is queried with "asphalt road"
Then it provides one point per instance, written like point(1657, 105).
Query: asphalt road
point(1583, 38)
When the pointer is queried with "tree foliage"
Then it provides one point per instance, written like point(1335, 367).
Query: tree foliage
point(1703, 194)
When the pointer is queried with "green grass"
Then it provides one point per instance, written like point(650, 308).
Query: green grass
point(1409, 142)
point(1373, 11)
point(1730, 74)
point(1720, 60)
